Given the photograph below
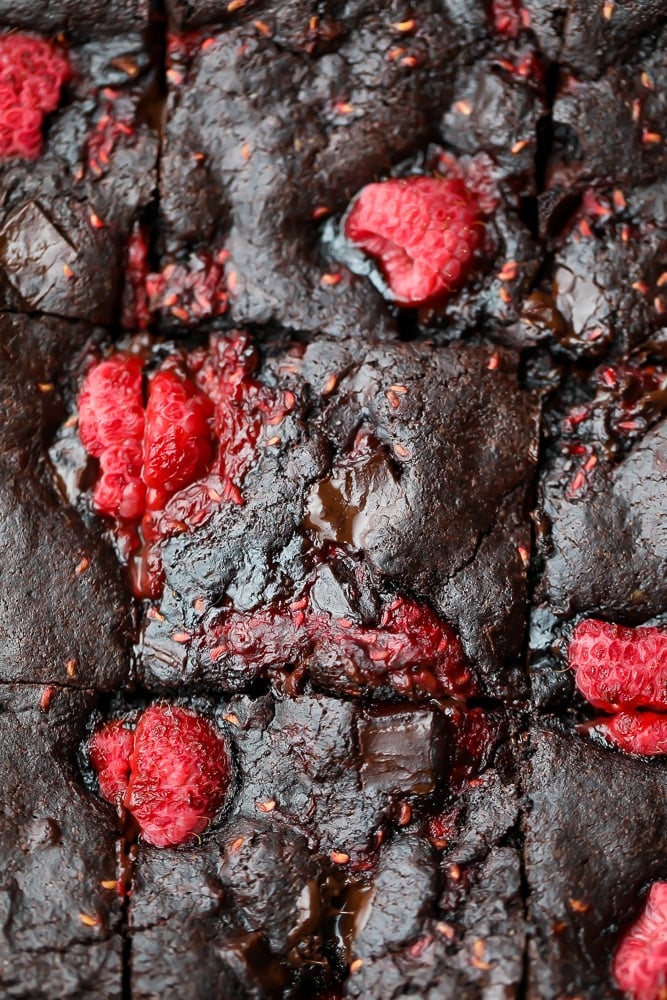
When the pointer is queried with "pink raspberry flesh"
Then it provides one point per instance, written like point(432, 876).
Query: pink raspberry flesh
point(171, 773)
point(423, 232)
point(642, 733)
point(32, 75)
point(640, 962)
point(620, 668)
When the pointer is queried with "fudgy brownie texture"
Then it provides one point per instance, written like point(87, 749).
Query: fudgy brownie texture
point(61, 910)
point(586, 875)
point(359, 575)
point(63, 590)
point(66, 217)
point(342, 96)
point(457, 417)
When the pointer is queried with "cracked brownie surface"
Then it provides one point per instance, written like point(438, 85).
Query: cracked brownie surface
point(332, 500)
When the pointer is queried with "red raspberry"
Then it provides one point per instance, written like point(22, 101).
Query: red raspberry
point(423, 231)
point(172, 773)
point(620, 668)
point(634, 732)
point(177, 438)
point(111, 427)
point(32, 74)
point(110, 751)
point(640, 962)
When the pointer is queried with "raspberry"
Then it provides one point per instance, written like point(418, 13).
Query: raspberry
point(423, 231)
point(620, 668)
point(111, 428)
point(190, 292)
point(411, 649)
point(177, 437)
point(110, 751)
point(32, 74)
point(634, 732)
point(172, 773)
point(640, 962)
point(165, 468)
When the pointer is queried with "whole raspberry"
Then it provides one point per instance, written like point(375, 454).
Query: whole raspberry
point(32, 74)
point(640, 962)
point(111, 428)
point(423, 232)
point(634, 732)
point(620, 668)
point(177, 436)
point(172, 773)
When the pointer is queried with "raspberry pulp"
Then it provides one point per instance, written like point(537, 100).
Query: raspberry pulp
point(410, 650)
point(423, 232)
point(32, 75)
point(172, 772)
point(640, 962)
point(620, 668)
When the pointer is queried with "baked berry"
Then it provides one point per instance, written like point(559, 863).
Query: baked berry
point(620, 668)
point(422, 231)
point(640, 962)
point(177, 436)
point(32, 75)
point(172, 772)
point(642, 733)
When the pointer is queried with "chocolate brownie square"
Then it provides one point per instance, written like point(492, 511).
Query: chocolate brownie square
point(69, 209)
point(595, 840)
point(381, 435)
point(61, 909)
point(64, 616)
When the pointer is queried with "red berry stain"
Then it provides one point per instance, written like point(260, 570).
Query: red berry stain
point(32, 75)
point(410, 650)
point(640, 962)
point(166, 463)
point(423, 232)
point(172, 772)
point(506, 16)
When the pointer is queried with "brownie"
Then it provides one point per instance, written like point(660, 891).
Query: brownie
point(95, 20)
point(458, 417)
point(594, 843)
point(61, 910)
point(64, 588)
point(290, 571)
point(66, 218)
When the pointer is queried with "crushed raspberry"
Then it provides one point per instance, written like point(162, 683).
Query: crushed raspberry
point(172, 772)
point(32, 75)
point(165, 466)
point(642, 733)
point(190, 292)
point(620, 668)
point(506, 16)
point(137, 313)
point(640, 962)
point(410, 650)
point(110, 129)
point(423, 232)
